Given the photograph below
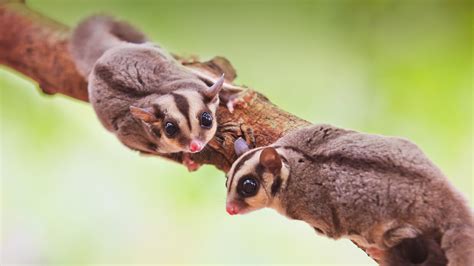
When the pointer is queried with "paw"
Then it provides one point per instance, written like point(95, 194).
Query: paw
point(237, 99)
point(235, 102)
point(192, 166)
point(189, 163)
point(230, 131)
point(375, 253)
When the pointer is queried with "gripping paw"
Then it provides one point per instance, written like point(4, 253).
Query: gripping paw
point(236, 99)
point(375, 253)
point(235, 102)
point(230, 131)
point(189, 163)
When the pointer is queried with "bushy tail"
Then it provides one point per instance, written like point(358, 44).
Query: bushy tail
point(94, 35)
point(458, 244)
point(424, 250)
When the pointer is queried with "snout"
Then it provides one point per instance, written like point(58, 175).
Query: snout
point(195, 146)
point(232, 208)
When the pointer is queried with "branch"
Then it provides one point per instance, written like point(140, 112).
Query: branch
point(38, 47)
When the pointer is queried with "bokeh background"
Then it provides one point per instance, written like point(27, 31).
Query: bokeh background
point(71, 193)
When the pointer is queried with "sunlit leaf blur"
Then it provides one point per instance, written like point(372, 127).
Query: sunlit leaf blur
point(71, 193)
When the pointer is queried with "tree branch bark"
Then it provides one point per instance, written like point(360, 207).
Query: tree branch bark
point(38, 47)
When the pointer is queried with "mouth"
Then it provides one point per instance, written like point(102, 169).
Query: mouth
point(234, 208)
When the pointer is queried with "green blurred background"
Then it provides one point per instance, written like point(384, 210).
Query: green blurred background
point(71, 193)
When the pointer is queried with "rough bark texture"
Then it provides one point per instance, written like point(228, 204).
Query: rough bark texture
point(37, 47)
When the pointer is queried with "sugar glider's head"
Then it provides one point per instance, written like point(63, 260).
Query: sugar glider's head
point(181, 121)
point(255, 179)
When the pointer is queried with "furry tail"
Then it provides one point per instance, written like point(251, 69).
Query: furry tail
point(424, 250)
point(94, 35)
point(458, 244)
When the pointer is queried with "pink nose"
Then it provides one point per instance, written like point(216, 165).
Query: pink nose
point(232, 209)
point(195, 146)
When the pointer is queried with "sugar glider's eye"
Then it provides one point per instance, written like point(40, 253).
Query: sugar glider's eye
point(206, 120)
point(247, 186)
point(171, 129)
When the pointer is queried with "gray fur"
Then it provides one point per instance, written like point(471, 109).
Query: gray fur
point(379, 190)
point(124, 71)
point(96, 34)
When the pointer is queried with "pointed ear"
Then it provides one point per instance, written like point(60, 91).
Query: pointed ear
point(271, 160)
point(214, 90)
point(144, 114)
point(240, 146)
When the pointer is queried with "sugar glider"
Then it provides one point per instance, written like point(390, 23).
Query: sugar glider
point(381, 192)
point(142, 94)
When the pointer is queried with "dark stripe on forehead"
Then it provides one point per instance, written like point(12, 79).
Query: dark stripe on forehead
point(183, 106)
point(244, 159)
point(158, 112)
point(240, 164)
point(260, 169)
point(277, 181)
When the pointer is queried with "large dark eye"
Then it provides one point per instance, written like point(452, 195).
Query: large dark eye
point(206, 120)
point(247, 187)
point(171, 129)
